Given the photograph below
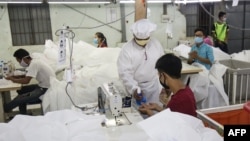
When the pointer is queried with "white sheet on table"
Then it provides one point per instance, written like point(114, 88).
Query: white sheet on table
point(174, 126)
point(4, 82)
point(67, 125)
point(183, 50)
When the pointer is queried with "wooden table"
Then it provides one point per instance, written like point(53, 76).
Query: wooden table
point(5, 96)
point(189, 69)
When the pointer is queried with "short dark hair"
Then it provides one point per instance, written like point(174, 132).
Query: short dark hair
point(200, 29)
point(20, 53)
point(170, 64)
point(221, 14)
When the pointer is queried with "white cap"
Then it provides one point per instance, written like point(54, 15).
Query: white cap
point(143, 28)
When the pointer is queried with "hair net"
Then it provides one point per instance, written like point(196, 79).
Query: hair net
point(143, 28)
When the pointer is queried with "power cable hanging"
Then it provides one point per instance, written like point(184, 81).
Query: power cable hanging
point(97, 20)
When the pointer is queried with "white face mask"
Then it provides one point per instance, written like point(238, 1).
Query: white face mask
point(23, 64)
point(224, 19)
point(142, 42)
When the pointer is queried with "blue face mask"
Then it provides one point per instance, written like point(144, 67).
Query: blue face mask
point(95, 41)
point(198, 40)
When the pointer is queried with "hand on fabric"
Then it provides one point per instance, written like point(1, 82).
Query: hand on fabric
point(8, 77)
point(145, 109)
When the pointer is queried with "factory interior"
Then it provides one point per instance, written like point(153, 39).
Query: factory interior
point(113, 70)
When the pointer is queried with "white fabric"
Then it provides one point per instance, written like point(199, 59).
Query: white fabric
point(213, 100)
point(66, 125)
point(219, 54)
point(4, 82)
point(41, 72)
point(136, 68)
point(143, 28)
point(174, 126)
point(199, 83)
point(216, 93)
point(183, 50)
point(69, 125)
point(92, 67)
point(244, 55)
point(215, 76)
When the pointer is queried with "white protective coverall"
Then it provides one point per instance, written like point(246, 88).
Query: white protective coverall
point(136, 64)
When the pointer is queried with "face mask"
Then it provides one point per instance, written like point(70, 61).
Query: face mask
point(142, 42)
point(163, 84)
point(23, 64)
point(224, 19)
point(198, 40)
point(95, 40)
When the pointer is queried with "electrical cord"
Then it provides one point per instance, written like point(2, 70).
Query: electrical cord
point(66, 90)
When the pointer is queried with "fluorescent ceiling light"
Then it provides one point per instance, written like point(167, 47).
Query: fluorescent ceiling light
point(170, 1)
point(78, 1)
point(196, 1)
point(20, 1)
point(148, 1)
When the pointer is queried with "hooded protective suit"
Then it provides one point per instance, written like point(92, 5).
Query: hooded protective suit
point(136, 64)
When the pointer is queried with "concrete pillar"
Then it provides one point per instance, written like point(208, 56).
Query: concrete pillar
point(140, 9)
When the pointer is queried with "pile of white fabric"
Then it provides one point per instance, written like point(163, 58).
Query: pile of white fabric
point(69, 125)
point(92, 67)
point(174, 126)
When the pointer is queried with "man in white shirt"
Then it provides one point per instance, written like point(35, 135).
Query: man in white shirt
point(136, 62)
point(34, 69)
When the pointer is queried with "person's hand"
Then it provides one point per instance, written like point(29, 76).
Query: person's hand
point(136, 96)
point(152, 106)
point(165, 96)
point(144, 109)
point(8, 77)
point(193, 55)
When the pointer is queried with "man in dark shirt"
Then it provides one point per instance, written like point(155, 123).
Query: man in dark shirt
point(182, 99)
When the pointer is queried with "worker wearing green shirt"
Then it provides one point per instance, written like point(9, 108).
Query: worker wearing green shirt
point(220, 32)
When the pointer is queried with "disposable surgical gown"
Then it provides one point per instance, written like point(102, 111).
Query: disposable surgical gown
point(136, 68)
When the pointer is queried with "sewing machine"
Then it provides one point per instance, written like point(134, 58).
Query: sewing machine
point(7, 68)
point(116, 106)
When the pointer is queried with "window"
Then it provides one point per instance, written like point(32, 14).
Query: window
point(30, 24)
point(197, 17)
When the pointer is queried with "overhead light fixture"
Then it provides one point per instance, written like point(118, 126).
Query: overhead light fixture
point(149, 1)
point(78, 1)
point(171, 1)
point(195, 1)
point(21, 1)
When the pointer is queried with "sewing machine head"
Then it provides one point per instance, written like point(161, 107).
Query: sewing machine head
point(113, 103)
point(7, 68)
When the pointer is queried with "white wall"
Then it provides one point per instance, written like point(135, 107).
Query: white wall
point(62, 15)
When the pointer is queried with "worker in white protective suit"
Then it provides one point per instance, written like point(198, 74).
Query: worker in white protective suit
point(136, 62)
